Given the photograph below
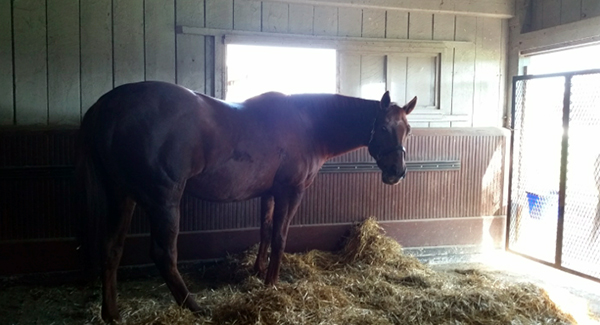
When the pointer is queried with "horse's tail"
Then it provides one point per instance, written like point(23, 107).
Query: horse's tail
point(93, 197)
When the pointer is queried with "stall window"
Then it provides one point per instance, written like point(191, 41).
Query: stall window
point(253, 70)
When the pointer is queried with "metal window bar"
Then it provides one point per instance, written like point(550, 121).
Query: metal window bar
point(573, 209)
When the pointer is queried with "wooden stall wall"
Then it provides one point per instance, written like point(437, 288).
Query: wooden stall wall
point(461, 206)
point(58, 57)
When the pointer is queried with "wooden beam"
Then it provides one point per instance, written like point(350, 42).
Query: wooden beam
point(486, 8)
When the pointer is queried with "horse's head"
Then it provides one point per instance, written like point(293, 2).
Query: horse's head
point(389, 131)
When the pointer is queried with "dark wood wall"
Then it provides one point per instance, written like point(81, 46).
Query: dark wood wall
point(453, 196)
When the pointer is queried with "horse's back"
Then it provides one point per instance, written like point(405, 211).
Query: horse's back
point(151, 133)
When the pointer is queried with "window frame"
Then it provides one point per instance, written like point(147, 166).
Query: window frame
point(446, 51)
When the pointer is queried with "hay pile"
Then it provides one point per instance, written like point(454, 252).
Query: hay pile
point(370, 281)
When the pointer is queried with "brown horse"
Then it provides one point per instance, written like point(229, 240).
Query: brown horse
point(146, 143)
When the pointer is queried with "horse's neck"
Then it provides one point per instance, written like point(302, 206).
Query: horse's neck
point(346, 124)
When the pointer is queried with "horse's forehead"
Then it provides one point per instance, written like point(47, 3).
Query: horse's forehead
point(395, 114)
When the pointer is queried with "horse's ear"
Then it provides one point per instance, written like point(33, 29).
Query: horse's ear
point(410, 106)
point(385, 100)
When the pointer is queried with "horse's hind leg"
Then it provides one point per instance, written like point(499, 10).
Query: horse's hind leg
point(119, 218)
point(164, 223)
point(267, 203)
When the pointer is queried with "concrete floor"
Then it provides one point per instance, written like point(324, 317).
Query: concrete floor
point(573, 294)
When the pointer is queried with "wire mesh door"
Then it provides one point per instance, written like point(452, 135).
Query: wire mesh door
point(554, 209)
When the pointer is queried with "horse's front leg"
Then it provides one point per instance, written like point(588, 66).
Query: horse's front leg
point(267, 203)
point(286, 205)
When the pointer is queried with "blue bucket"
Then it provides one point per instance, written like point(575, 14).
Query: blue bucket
point(543, 205)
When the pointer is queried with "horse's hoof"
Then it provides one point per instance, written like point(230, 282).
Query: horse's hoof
point(110, 317)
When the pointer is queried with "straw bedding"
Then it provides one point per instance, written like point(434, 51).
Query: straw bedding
point(370, 281)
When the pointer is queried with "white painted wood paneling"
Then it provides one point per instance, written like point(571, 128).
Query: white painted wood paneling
point(397, 65)
point(219, 14)
point(64, 102)
point(590, 8)
point(247, 15)
point(31, 89)
point(570, 11)
point(350, 22)
point(486, 8)
point(487, 71)
point(550, 13)
point(349, 74)
point(372, 76)
point(190, 48)
point(397, 24)
point(325, 21)
point(160, 40)
point(420, 26)
point(463, 80)
point(96, 51)
point(443, 27)
point(7, 108)
point(301, 19)
point(275, 17)
point(128, 41)
point(373, 23)
point(190, 13)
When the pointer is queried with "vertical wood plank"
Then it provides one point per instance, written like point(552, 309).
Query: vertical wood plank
point(191, 48)
point(160, 40)
point(420, 26)
point(590, 8)
point(397, 78)
point(128, 41)
point(536, 9)
point(397, 24)
point(463, 81)
point(275, 17)
point(372, 76)
point(96, 51)
point(326, 20)
point(209, 65)
point(7, 108)
point(373, 23)
point(247, 15)
point(349, 74)
point(190, 13)
point(31, 96)
point(570, 11)
point(350, 22)
point(301, 19)
point(444, 30)
point(190, 62)
point(420, 80)
point(219, 14)
point(550, 13)
point(443, 27)
point(487, 69)
point(64, 102)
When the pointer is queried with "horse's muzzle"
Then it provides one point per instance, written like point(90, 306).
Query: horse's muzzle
point(392, 179)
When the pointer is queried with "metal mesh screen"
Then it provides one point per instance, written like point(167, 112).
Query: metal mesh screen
point(536, 167)
point(534, 214)
point(581, 243)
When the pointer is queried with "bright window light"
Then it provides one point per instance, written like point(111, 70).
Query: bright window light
point(253, 70)
point(575, 59)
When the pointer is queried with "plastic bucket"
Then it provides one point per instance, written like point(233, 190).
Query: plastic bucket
point(543, 206)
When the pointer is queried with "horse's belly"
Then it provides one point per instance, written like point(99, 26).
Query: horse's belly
point(228, 186)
